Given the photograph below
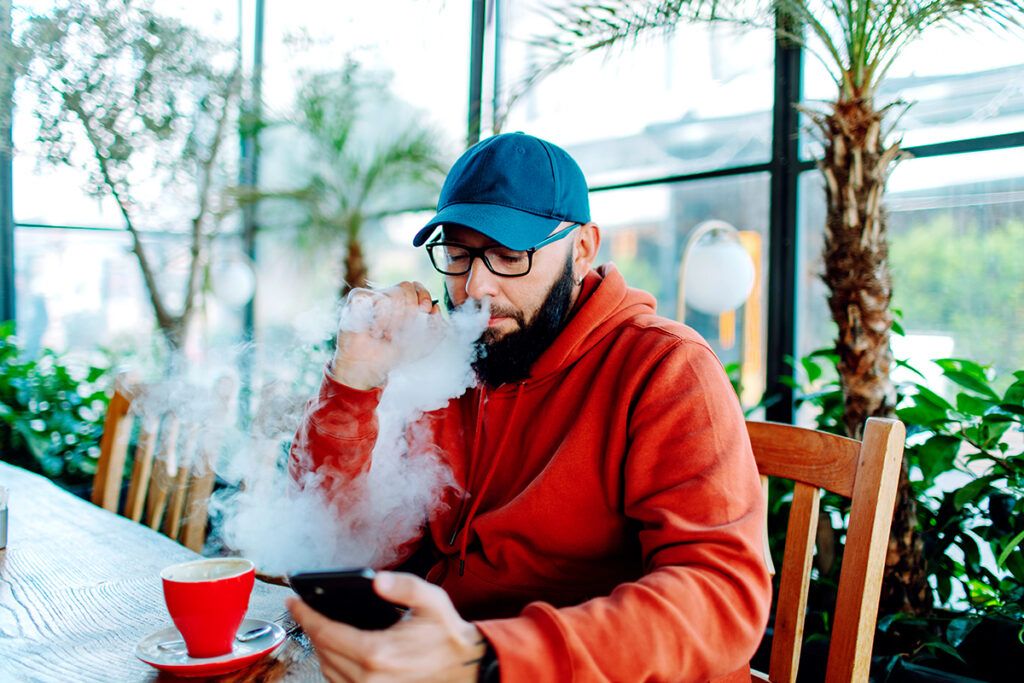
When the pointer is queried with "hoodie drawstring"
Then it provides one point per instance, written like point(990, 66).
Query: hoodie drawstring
point(474, 454)
point(479, 496)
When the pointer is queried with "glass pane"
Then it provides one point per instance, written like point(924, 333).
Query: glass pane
point(957, 90)
point(645, 231)
point(82, 290)
point(424, 46)
point(956, 229)
point(299, 282)
point(54, 195)
point(696, 100)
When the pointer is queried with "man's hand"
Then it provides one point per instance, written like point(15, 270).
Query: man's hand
point(373, 323)
point(432, 643)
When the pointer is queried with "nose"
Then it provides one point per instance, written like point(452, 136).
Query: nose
point(480, 281)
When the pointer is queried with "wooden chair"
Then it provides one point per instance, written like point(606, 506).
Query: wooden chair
point(171, 477)
point(865, 471)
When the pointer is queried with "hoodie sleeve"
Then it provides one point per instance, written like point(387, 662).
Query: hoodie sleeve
point(337, 433)
point(691, 486)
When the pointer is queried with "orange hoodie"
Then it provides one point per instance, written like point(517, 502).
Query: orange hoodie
point(611, 529)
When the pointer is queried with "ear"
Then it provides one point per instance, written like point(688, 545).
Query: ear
point(585, 248)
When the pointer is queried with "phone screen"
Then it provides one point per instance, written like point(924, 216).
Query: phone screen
point(346, 595)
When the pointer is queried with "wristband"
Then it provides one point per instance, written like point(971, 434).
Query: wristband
point(489, 669)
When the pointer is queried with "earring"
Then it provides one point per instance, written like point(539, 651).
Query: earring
point(577, 282)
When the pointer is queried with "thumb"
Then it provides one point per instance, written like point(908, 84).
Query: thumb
point(423, 598)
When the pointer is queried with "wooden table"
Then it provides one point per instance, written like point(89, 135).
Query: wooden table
point(80, 587)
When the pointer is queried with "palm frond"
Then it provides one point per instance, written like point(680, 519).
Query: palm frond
point(899, 22)
point(582, 27)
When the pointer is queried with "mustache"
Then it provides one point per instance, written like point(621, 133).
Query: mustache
point(504, 312)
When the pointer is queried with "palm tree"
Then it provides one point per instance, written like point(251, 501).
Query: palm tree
point(857, 40)
point(368, 157)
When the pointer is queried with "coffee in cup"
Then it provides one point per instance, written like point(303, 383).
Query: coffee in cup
point(207, 600)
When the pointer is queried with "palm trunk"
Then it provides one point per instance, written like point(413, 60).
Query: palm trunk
point(856, 256)
point(355, 273)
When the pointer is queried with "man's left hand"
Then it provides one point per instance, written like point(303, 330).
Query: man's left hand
point(432, 643)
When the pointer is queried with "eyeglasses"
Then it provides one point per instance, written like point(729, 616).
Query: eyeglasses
point(452, 258)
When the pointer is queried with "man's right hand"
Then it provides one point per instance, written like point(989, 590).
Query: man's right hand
point(370, 340)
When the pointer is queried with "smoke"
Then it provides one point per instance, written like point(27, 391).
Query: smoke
point(320, 522)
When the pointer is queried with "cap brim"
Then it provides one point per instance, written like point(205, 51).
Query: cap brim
point(510, 227)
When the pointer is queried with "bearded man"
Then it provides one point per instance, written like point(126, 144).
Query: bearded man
point(610, 518)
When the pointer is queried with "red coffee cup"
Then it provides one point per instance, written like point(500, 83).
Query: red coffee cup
point(207, 600)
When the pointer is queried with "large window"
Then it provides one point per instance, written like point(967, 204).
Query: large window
point(956, 226)
point(697, 99)
point(644, 233)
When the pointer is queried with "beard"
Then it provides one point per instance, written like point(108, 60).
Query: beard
point(507, 359)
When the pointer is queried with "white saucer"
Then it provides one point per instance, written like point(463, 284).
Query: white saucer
point(179, 663)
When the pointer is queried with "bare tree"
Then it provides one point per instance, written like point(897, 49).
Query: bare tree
point(138, 99)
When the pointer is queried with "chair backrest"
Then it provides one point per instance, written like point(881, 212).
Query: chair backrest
point(867, 472)
point(171, 477)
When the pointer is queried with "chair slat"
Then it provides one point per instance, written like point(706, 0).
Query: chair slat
point(165, 470)
point(162, 490)
point(172, 519)
point(197, 503)
point(117, 431)
point(816, 458)
point(794, 583)
point(866, 545)
point(764, 532)
point(141, 469)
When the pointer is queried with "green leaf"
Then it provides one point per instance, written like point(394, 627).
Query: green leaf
point(927, 396)
point(1015, 393)
point(971, 492)
point(1010, 547)
point(968, 374)
point(945, 647)
point(936, 455)
point(959, 628)
point(923, 415)
point(972, 405)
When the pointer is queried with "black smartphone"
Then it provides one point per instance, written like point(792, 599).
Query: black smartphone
point(346, 595)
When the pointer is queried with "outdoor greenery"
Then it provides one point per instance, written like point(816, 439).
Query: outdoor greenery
point(934, 260)
point(51, 411)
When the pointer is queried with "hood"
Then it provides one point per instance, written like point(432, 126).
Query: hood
point(605, 303)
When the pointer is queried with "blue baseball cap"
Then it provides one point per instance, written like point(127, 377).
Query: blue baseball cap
point(514, 188)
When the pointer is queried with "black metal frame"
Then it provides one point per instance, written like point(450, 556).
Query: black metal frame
point(783, 242)
point(7, 293)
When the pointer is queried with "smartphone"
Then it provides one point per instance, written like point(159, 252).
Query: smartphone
point(346, 595)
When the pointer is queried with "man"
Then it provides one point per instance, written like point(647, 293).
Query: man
point(610, 526)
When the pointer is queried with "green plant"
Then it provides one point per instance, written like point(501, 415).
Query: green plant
point(957, 276)
point(51, 411)
point(973, 533)
point(965, 455)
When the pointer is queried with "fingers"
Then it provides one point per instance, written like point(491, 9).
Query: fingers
point(423, 298)
point(325, 634)
point(425, 599)
point(335, 665)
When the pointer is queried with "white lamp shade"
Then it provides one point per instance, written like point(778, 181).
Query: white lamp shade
point(234, 282)
point(719, 275)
